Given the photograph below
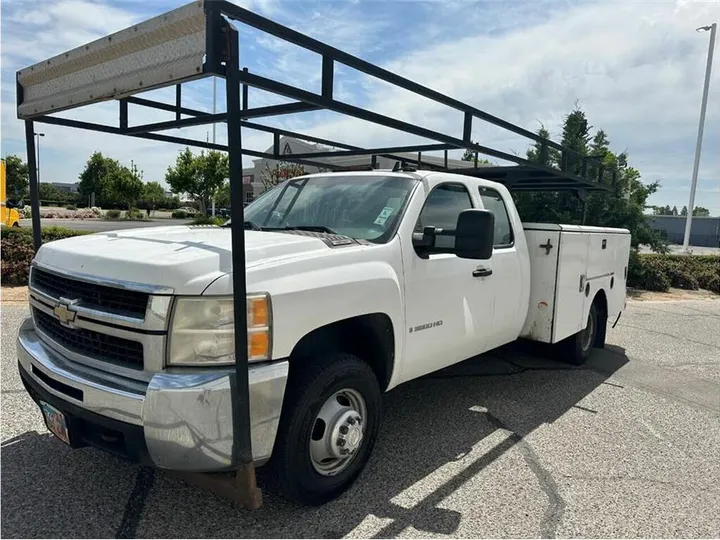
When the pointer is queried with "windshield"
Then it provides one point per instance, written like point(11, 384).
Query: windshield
point(364, 207)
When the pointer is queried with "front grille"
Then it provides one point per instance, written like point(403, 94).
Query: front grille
point(102, 297)
point(104, 347)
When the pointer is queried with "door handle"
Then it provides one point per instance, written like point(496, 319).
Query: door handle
point(482, 272)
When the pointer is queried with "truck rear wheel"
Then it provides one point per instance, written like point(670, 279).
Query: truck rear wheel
point(330, 419)
point(576, 349)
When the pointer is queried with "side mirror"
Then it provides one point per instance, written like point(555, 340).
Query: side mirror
point(474, 234)
point(425, 240)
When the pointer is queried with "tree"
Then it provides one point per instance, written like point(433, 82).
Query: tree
point(469, 155)
point(683, 212)
point(135, 171)
point(153, 194)
point(16, 178)
point(674, 211)
point(700, 211)
point(543, 156)
point(622, 205)
point(48, 192)
point(124, 186)
point(576, 136)
point(222, 196)
point(198, 176)
point(272, 176)
point(550, 206)
point(96, 178)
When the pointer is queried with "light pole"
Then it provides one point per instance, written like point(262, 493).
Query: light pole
point(703, 109)
point(37, 143)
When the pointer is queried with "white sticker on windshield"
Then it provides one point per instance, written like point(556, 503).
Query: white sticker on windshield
point(384, 215)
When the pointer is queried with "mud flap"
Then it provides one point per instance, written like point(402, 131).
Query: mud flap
point(239, 487)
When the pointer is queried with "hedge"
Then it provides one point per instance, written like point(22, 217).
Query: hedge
point(645, 271)
point(660, 272)
point(17, 250)
point(209, 220)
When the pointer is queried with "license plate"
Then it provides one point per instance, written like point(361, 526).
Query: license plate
point(55, 421)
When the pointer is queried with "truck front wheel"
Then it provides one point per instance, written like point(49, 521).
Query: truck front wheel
point(330, 419)
point(576, 349)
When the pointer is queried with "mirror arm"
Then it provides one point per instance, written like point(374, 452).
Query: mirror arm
point(445, 232)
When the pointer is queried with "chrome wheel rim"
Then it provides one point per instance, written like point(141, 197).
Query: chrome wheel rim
point(338, 432)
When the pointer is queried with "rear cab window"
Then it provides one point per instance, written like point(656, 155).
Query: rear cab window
point(504, 236)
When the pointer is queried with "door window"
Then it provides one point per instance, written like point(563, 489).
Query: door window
point(493, 201)
point(442, 208)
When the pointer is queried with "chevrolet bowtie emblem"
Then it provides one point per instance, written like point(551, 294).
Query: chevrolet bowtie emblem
point(64, 314)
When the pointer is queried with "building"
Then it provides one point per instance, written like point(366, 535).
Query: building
point(252, 176)
point(705, 231)
point(65, 187)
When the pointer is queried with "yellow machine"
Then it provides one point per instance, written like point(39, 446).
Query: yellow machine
point(10, 216)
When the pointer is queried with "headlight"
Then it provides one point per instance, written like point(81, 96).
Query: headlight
point(202, 331)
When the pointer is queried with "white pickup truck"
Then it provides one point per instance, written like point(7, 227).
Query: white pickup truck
point(358, 282)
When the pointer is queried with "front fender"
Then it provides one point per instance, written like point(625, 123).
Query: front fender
point(308, 300)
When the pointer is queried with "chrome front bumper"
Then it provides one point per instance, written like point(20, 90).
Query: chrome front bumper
point(186, 416)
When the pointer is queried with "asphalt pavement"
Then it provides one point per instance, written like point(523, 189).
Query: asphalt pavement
point(511, 444)
point(102, 225)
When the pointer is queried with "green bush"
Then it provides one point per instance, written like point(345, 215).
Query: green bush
point(710, 281)
point(179, 214)
point(17, 254)
point(680, 277)
point(71, 207)
point(660, 272)
point(656, 280)
point(135, 214)
point(635, 270)
point(208, 220)
point(17, 250)
point(112, 214)
point(48, 234)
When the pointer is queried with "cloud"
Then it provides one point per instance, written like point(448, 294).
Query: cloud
point(636, 68)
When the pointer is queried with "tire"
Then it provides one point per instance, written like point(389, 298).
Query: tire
point(577, 348)
point(312, 387)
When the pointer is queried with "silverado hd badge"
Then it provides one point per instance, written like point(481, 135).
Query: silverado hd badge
point(425, 326)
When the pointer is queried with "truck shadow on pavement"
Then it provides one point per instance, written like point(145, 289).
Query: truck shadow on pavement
point(439, 434)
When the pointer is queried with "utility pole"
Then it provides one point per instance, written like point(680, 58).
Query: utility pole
point(701, 127)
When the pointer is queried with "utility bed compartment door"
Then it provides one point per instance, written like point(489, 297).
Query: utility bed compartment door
point(558, 266)
point(543, 251)
point(570, 296)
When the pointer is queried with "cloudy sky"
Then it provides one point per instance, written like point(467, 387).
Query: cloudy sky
point(636, 68)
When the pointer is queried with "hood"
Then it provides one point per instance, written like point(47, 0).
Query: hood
point(185, 258)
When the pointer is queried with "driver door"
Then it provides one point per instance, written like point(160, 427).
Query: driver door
point(449, 301)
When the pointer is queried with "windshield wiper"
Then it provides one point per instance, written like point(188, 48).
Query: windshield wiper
point(252, 225)
point(247, 225)
point(312, 228)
